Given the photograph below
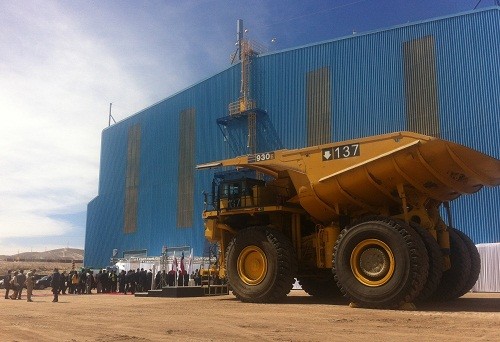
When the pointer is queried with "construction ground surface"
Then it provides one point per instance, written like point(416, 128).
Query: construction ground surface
point(117, 317)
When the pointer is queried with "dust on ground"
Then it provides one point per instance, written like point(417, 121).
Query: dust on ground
point(118, 317)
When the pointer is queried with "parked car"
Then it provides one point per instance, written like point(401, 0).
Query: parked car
point(43, 282)
point(37, 276)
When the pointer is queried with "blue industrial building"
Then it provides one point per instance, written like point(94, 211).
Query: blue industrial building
point(439, 77)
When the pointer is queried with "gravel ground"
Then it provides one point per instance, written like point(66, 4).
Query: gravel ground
point(117, 317)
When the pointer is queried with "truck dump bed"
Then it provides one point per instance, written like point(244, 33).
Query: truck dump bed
point(363, 175)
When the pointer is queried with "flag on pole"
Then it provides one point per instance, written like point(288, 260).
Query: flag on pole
point(190, 262)
point(182, 264)
point(174, 264)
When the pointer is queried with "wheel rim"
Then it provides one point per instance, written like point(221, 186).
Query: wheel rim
point(372, 262)
point(252, 265)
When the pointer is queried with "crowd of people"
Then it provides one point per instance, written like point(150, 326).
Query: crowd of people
point(103, 281)
point(15, 281)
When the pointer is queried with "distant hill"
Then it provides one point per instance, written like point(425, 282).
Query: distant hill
point(52, 255)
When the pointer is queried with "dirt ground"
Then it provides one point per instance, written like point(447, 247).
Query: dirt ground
point(117, 317)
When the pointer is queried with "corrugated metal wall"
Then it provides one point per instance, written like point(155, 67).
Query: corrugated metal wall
point(439, 77)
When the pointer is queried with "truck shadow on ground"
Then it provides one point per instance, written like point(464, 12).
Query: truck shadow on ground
point(461, 304)
point(305, 300)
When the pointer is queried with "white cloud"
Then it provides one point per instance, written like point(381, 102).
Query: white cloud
point(30, 224)
point(60, 66)
point(54, 92)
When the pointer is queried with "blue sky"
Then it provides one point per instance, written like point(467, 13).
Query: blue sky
point(63, 62)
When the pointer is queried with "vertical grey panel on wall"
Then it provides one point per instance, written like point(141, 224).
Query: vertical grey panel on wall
point(422, 112)
point(187, 143)
point(132, 178)
point(318, 107)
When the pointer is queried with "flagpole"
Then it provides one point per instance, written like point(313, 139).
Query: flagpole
point(190, 265)
point(174, 267)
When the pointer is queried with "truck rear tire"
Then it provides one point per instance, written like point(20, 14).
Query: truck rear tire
point(380, 263)
point(454, 280)
point(475, 262)
point(435, 263)
point(260, 265)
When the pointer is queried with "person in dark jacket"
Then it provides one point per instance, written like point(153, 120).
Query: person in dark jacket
point(98, 281)
point(121, 281)
point(140, 280)
point(14, 285)
point(149, 280)
point(63, 286)
point(171, 278)
point(55, 283)
point(180, 278)
point(21, 279)
point(127, 282)
point(82, 277)
point(113, 280)
point(6, 283)
point(130, 282)
point(105, 281)
point(158, 280)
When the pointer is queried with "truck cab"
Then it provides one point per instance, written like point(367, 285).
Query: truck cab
point(238, 193)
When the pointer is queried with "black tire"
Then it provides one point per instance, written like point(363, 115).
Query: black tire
point(475, 262)
point(435, 263)
point(322, 284)
point(380, 263)
point(275, 263)
point(455, 279)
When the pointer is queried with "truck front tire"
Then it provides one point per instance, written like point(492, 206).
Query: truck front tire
point(260, 265)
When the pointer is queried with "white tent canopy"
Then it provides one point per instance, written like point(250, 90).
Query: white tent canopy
point(489, 277)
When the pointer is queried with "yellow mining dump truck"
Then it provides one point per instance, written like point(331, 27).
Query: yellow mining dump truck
point(360, 218)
